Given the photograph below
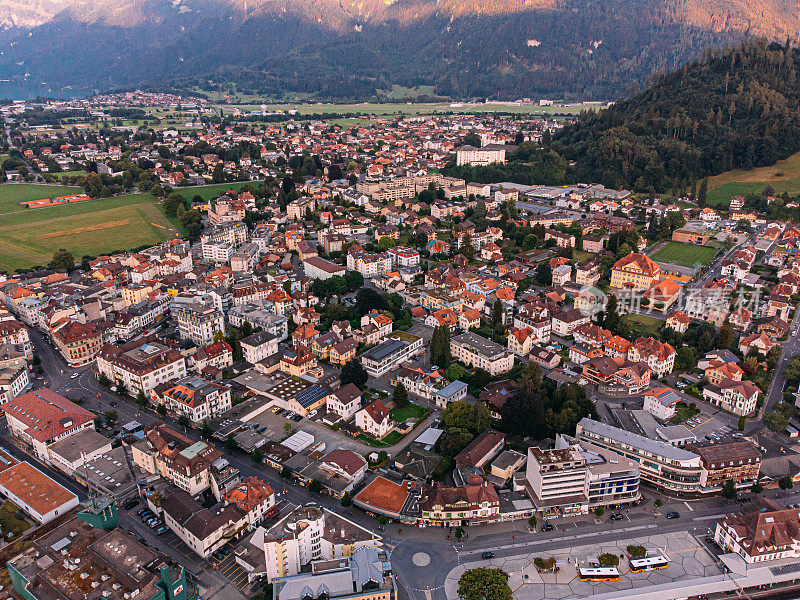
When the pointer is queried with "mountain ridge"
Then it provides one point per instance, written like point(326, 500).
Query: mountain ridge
point(347, 49)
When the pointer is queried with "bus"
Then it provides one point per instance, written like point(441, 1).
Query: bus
point(598, 574)
point(648, 564)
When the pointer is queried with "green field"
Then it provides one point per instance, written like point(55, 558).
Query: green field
point(30, 237)
point(207, 192)
point(783, 176)
point(11, 194)
point(684, 254)
point(642, 325)
point(407, 109)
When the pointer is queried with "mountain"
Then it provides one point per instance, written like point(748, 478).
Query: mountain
point(350, 49)
point(737, 108)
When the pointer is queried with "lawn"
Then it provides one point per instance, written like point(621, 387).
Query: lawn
point(412, 411)
point(94, 227)
point(11, 194)
point(643, 325)
point(9, 521)
point(390, 440)
point(783, 176)
point(684, 254)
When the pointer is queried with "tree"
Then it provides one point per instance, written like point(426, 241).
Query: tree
point(756, 488)
point(102, 379)
point(385, 243)
point(702, 193)
point(729, 490)
point(286, 472)
point(206, 431)
point(741, 423)
point(162, 410)
point(785, 482)
point(400, 396)
point(353, 372)
point(725, 337)
point(543, 274)
point(497, 316)
point(459, 532)
point(218, 174)
point(347, 500)
point(466, 247)
point(183, 421)
point(454, 372)
point(484, 584)
point(257, 456)
point(635, 551)
point(383, 519)
point(231, 444)
point(368, 300)
point(607, 559)
point(110, 416)
point(141, 399)
point(658, 502)
point(172, 203)
point(532, 521)
point(598, 512)
point(63, 260)
point(440, 346)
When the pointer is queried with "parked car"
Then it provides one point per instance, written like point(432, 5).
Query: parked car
point(141, 511)
point(617, 517)
point(487, 555)
point(673, 515)
point(547, 527)
point(297, 418)
point(162, 530)
point(312, 413)
point(130, 503)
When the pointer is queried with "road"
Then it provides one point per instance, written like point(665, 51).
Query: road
point(790, 349)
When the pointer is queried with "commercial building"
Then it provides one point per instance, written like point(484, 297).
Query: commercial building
point(42, 417)
point(476, 351)
point(736, 461)
point(662, 465)
point(766, 532)
point(319, 268)
point(35, 493)
point(78, 343)
point(204, 530)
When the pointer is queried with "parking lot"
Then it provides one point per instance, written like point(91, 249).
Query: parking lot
point(233, 572)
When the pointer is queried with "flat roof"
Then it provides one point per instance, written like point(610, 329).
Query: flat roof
point(668, 451)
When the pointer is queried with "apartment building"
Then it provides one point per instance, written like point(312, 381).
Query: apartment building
point(306, 534)
point(476, 351)
point(197, 398)
point(191, 466)
point(737, 461)
point(737, 397)
point(474, 157)
point(397, 348)
point(79, 343)
point(659, 356)
point(258, 346)
point(141, 365)
point(202, 529)
point(198, 322)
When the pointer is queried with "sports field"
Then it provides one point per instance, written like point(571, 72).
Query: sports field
point(783, 176)
point(11, 194)
point(684, 254)
point(30, 237)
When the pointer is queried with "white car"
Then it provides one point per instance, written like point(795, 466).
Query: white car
point(74, 375)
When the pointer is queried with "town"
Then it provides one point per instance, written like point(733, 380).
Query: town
point(354, 366)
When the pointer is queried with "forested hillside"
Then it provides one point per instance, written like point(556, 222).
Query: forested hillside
point(736, 108)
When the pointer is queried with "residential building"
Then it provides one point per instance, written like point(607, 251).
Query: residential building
point(737, 397)
point(344, 402)
point(197, 398)
point(141, 365)
point(661, 402)
point(365, 575)
point(470, 155)
point(726, 460)
point(254, 498)
point(79, 343)
point(397, 348)
point(258, 346)
point(374, 420)
point(476, 351)
point(319, 268)
point(198, 322)
point(202, 529)
point(659, 356)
